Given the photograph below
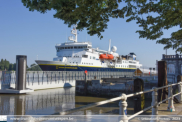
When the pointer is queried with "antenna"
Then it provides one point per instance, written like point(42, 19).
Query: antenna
point(74, 32)
point(109, 45)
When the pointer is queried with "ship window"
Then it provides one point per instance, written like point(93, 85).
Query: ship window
point(66, 47)
point(71, 47)
point(75, 47)
point(85, 56)
point(90, 57)
point(93, 57)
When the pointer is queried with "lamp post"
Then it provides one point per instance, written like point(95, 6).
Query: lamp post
point(154, 75)
point(150, 70)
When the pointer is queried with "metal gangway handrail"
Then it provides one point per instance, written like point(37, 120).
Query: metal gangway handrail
point(123, 103)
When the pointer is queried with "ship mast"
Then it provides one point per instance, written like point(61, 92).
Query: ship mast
point(74, 32)
point(109, 45)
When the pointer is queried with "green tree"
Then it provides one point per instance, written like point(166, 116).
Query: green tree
point(34, 67)
point(10, 67)
point(6, 64)
point(14, 66)
point(2, 64)
point(94, 15)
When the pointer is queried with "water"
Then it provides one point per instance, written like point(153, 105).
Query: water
point(50, 101)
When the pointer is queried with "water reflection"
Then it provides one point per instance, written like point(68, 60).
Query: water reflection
point(47, 102)
point(43, 102)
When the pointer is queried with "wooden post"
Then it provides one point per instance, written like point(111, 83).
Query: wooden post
point(139, 100)
point(162, 80)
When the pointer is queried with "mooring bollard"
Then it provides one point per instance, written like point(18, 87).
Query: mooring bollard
point(123, 108)
point(170, 101)
point(21, 68)
point(180, 90)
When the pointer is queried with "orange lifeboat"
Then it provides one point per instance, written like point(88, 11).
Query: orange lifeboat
point(108, 56)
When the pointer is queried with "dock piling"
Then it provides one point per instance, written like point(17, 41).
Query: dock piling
point(21, 67)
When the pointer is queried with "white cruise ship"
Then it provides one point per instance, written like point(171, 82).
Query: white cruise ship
point(80, 56)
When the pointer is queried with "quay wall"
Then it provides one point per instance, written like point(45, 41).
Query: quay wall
point(100, 88)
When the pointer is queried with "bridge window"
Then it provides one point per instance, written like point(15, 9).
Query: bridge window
point(85, 56)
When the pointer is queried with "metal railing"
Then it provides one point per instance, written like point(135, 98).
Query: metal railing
point(123, 103)
point(54, 76)
point(177, 56)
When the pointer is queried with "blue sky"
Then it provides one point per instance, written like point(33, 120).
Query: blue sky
point(31, 33)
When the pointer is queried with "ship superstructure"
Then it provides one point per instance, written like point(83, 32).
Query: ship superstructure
point(80, 56)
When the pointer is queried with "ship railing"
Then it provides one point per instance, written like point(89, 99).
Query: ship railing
point(90, 43)
point(123, 103)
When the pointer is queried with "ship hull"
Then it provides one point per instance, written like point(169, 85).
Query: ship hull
point(57, 66)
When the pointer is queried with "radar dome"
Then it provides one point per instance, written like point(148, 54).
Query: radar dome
point(114, 48)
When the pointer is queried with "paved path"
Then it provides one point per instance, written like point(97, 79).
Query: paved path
point(162, 110)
